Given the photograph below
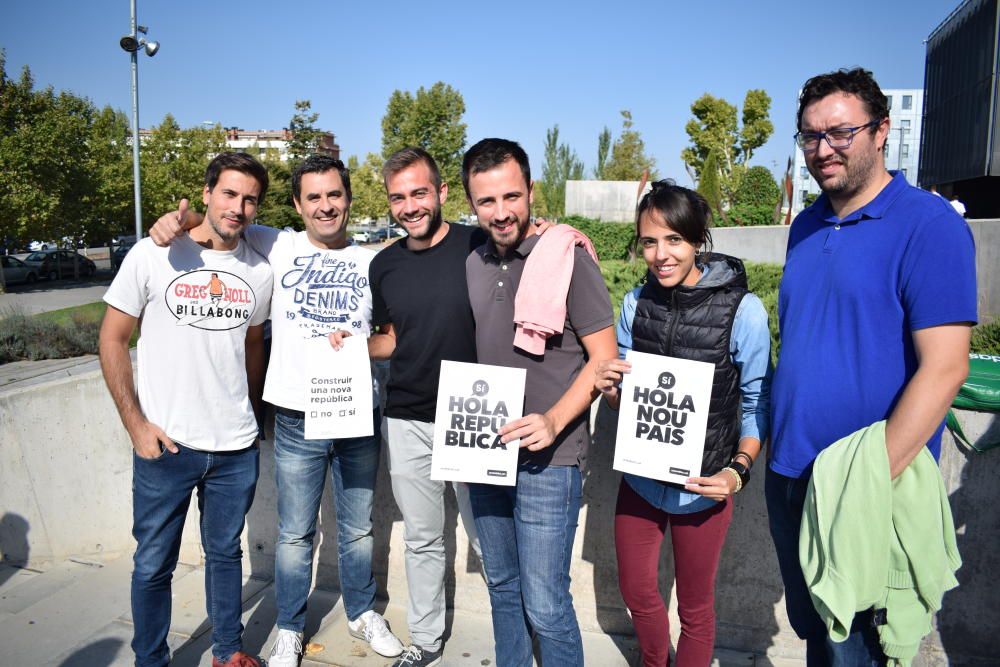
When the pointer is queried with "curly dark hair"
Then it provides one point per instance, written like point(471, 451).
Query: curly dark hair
point(858, 82)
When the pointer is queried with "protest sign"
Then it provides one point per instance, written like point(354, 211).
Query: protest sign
point(338, 389)
point(474, 401)
point(663, 417)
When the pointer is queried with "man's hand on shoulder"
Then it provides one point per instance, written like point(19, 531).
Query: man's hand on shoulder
point(535, 431)
point(150, 441)
point(174, 225)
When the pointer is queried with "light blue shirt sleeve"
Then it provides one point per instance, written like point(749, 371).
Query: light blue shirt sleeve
point(624, 330)
point(750, 347)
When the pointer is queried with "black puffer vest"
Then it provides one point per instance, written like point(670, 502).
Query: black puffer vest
point(696, 323)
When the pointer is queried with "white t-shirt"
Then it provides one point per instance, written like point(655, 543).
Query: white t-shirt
point(316, 291)
point(196, 305)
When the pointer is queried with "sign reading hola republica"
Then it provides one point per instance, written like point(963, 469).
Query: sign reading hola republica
point(474, 402)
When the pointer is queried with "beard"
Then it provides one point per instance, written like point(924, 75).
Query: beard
point(225, 234)
point(433, 224)
point(509, 238)
point(858, 171)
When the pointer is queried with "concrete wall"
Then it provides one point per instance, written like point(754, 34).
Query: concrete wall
point(613, 201)
point(767, 244)
point(65, 474)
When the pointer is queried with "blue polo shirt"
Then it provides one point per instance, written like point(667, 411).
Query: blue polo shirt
point(852, 292)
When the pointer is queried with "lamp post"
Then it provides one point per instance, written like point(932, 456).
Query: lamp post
point(131, 43)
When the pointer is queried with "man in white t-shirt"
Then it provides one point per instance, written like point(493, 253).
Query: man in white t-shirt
point(202, 305)
point(320, 285)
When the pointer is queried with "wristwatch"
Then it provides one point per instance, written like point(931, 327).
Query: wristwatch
point(741, 470)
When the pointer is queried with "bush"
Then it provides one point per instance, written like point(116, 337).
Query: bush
point(986, 338)
point(756, 199)
point(612, 240)
point(25, 337)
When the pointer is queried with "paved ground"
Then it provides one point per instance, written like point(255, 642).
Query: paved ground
point(45, 296)
point(76, 614)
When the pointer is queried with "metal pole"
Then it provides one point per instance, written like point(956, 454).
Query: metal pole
point(135, 132)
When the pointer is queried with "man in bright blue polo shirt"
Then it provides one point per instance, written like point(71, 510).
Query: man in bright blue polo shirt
point(876, 306)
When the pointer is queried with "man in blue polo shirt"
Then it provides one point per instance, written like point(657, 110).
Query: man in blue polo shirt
point(876, 306)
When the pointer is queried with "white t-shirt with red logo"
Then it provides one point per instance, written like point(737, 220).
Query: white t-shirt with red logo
point(316, 292)
point(196, 305)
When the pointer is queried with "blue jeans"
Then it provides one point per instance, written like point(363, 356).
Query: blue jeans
point(300, 468)
point(785, 498)
point(526, 535)
point(161, 492)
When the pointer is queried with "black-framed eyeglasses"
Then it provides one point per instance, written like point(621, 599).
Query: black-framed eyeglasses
point(839, 137)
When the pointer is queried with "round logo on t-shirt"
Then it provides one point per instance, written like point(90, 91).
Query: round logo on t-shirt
point(210, 300)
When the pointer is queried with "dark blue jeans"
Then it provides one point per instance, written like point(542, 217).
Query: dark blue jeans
point(161, 493)
point(785, 498)
point(526, 535)
point(300, 468)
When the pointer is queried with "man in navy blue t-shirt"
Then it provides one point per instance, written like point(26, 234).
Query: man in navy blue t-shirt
point(876, 306)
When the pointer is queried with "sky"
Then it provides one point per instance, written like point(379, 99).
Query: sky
point(521, 67)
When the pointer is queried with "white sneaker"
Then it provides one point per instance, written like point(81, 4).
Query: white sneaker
point(287, 649)
point(372, 628)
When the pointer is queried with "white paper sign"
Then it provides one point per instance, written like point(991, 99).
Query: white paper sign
point(474, 401)
point(663, 417)
point(338, 389)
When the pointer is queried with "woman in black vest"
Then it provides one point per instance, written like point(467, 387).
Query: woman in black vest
point(693, 305)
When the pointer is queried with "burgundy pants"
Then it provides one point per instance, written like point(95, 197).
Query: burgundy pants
point(697, 542)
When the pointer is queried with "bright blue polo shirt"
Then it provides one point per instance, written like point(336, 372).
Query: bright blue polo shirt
point(852, 292)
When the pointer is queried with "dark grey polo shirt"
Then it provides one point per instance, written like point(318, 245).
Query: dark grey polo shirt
point(493, 282)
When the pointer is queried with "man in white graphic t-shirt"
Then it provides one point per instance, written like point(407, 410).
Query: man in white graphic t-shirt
point(192, 417)
point(320, 285)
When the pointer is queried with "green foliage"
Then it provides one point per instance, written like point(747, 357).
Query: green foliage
point(710, 188)
point(714, 128)
point(431, 119)
point(278, 209)
point(368, 191)
point(305, 135)
point(628, 155)
point(603, 148)
point(561, 165)
point(64, 165)
point(173, 165)
point(986, 337)
point(809, 199)
point(24, 337)
point(612, 240)
point(620, 276)
point(756, 200)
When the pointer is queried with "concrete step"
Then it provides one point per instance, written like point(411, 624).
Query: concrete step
point(10, 578)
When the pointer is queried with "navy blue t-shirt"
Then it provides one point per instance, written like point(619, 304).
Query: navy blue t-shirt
point(852, 293)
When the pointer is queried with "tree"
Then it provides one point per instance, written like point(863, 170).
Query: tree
point(603, 147)
point(432, 120)
point(305, 135)
point(110, 209)
point(710, 188)
point(173, 165)
point(715, 128)
point(628, 155)
point(368, 192)
point(756, 200)
point(561, 165)
point(278, 209)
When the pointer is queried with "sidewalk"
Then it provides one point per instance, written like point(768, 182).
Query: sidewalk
point(45, 296)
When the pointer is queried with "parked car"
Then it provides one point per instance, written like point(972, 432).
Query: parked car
point(363, 236)
point(36, 246)
point(55, 264)
point(118, 256)
point(15, 271)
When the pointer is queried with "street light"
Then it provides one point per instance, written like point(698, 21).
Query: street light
point(132, 44)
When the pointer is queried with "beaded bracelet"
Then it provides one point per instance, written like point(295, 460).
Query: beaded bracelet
point(736, 476)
